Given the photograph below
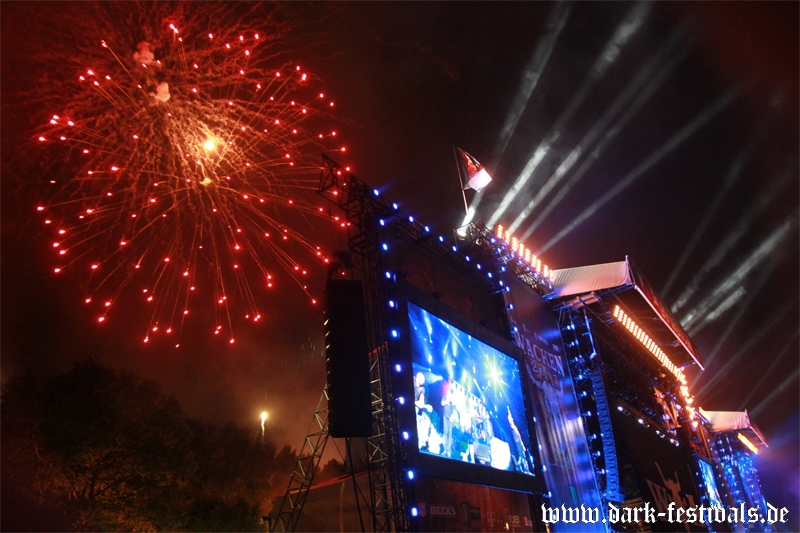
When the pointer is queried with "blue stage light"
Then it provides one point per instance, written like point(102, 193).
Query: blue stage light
point(385, 246)
point(401, 400)
point(427, 229)
point(391, 303)
point(383, 223)
point(394, 205)
point(398, 368)
point(410, 474)
point(405, 435)
point(375, 192)
point(441, 239)
point(388, 275)
point(394, 333)
point(411, 219)
point(414, 511)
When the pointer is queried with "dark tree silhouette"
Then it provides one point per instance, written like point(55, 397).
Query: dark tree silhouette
point(99, 450)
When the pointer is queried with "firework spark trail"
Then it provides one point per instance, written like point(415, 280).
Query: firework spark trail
point(190, 155)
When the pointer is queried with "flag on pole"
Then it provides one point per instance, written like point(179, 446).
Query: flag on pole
point(476, 176)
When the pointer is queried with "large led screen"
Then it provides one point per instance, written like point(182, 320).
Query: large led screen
point(467, 397)
point(710, 482)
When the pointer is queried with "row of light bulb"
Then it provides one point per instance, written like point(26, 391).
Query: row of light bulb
point(522, 252)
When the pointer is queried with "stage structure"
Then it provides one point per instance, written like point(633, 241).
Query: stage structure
point(497, 386)
point(627, 354)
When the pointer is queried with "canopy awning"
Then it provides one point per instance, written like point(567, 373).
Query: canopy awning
point(581, 280)
point(623, 283)
point(739, 421)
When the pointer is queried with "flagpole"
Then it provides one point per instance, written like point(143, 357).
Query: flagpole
point(461, 181)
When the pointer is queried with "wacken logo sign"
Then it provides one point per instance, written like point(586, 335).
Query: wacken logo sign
point(537, 353)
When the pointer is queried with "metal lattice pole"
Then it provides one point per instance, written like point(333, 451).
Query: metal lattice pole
point(362, 209)
point(305, 468)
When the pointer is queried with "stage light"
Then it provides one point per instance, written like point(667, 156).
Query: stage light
point(517, 249)
point(382, 222)
point(645, 340)
point(375, 192)
point(411, 219)
point(398, 368)
point(395, 206)
point(401, 400)
point(394, 333)
point(405, 435)
point(414, 511)
point(410, 474)
point(609, 54)
point(385, 247)
point(671, 144)
point(391, 303)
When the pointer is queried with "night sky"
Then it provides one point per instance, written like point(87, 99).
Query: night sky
point(686, 116)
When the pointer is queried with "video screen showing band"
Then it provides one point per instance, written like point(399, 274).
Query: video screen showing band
point(467, 397)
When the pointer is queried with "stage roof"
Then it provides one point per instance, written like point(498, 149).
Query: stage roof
point(738, 421)
point(622, 284)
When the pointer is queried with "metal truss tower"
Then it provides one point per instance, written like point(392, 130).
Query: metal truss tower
point(362, 209)
point(307, 464)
